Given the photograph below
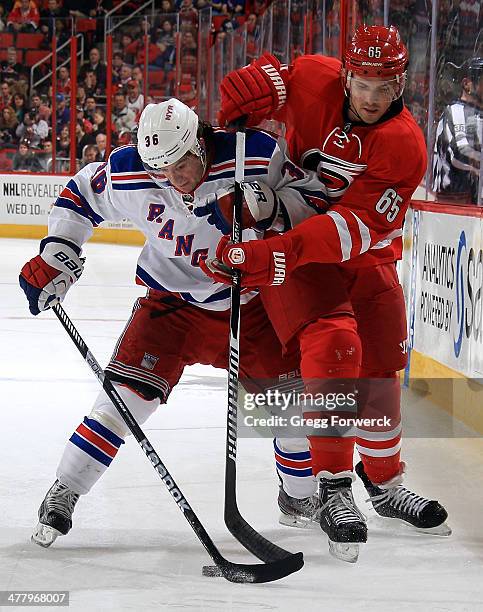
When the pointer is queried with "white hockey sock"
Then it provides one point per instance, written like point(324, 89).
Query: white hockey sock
point(294, 466)
point(94, 444)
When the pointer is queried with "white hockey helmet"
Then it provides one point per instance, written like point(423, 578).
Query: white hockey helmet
point(166, 132)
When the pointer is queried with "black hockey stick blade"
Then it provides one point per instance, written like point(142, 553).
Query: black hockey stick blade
point(256, 573)
point(234, 572)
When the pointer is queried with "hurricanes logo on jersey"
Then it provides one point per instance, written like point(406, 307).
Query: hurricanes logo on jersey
point(336, 163)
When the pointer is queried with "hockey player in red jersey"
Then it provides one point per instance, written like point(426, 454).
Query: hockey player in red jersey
point(330, 283)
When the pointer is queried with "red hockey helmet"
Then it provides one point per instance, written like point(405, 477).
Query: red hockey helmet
point(376, 52)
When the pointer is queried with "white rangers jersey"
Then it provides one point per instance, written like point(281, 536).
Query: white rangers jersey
point(176, 239)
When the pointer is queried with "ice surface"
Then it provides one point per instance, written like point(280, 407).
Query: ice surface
point(131, 548)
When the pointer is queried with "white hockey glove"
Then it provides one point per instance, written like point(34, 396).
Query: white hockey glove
point(260, 207)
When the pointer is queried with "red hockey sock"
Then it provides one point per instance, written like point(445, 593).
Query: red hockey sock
point(331, 454)
point(381, 469)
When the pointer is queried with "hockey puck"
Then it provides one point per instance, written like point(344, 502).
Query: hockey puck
point(212, 571)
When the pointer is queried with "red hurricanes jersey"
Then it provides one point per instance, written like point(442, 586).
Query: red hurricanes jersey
point(371, 172)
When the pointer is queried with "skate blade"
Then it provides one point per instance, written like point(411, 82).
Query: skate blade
point(44, 535)
point(440, 530)
point(297, 521)
point(443, 530)
point(344, 551)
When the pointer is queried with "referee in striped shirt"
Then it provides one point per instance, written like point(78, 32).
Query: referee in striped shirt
point(457, 149)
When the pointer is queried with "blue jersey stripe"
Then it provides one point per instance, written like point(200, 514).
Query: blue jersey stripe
point(135, 186)
point(231, 174)
point(84, 209)
point(103, 431)
point(91, 450)
point(301, 456)
point(292, 472)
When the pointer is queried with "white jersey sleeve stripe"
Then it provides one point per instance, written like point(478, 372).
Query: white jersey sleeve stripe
point(344, 234)
point(388, 239)
point(365, 234)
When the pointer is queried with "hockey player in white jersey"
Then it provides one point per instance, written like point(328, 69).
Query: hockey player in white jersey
point(168, 185)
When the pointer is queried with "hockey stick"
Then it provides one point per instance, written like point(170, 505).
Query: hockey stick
point(234, 572)
point(252, 540)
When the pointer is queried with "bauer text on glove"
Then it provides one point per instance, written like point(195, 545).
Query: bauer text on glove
point(50, 275)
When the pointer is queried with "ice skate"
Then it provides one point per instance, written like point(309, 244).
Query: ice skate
point(55, 514)
point(340, 518)
point(302, 513)
point(392, 500)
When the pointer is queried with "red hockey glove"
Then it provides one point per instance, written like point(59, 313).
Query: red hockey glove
point(262, 262)
point(256, 90)
point(51, 274)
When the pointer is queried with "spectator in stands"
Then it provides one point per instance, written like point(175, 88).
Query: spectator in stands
point(90, 108)
point(45, 155)
point(86, 124)
point(165, 34)
point(35, 100)
point(90, 154)
point(63, 113)
point(166, 58)
point(48, 17)
point(188, 63)
point(188, 13)
point(8, 125)
point(81, 96)
point(135, 99)
point(167, 7)
point(138, 75)
point(19, 106)
point(6, 98)
point(99, 121)
point(44, 112)
point(138, 49)
point(123, 117)
point(101, 146)
point(24, 17)
point(253, 35)
point(32, 128)
point(125, 75)
point(82, 138)
point(117, 62)
point(94, 65)
point(126, 41)
point(63, 81)
point(458, 145)
point(25, 160)
point(10, 68)
point(188, 42)
point(90, 84)
point(63, 143)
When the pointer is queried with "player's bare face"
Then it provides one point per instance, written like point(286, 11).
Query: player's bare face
point(186, 173)
point(369, 98)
